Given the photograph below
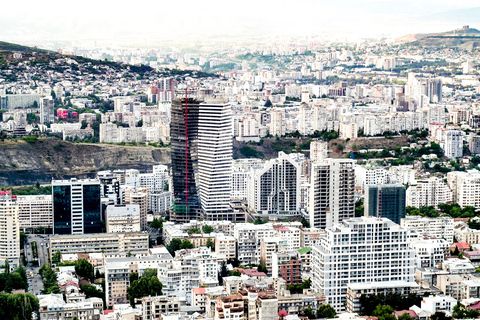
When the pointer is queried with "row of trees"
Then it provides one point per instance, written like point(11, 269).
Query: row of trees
point(50, 284)
point(298, 287)
point(453, 210)
point(370, 303)
point(325, 311)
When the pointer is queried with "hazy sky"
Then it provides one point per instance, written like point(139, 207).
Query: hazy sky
point(188, 19)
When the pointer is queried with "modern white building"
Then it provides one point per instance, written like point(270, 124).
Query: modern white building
point(439, 227)
point(318, 150)
point(35, 211)
point(360, 250)
point(332, 192)
point(249, 237)
point(215, 158)
point(9, 230)
point(160, 201)
point(123, 218)
point(370, 175)
point(465, 186)
point(440, 303)
point(428, 192)
point(274, 189)
point(453, 147)
point(430, 253)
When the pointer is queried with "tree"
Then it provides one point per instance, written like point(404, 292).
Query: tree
point(157, 224)
point(268, 104)
point(308, 312)
point(326, 311)
point(405, 316)
point(223, 272)
point(211, 244)
point(207, 229)
point(383, 312)
point(305, 222)
point(149, 273)
point(56, 257)
point(194, 230)
point(84, 269)
point(174, 245)
point(133, 276)
point(440, 316)
point(18, 306)
point(145, 286)
point(186, 244)
point(235, 273)
point(262, 268)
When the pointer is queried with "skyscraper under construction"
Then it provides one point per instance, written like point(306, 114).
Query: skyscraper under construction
point(201, 144)
point(184, 148)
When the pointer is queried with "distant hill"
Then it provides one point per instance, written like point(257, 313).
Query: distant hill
point(463, 38)
point(12, 47)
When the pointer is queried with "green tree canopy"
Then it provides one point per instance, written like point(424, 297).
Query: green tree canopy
point(145, 286)
point(17, 306)
point(326, 311)
point(84, 269)
point(207, 229)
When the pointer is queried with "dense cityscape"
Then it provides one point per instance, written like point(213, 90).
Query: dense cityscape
point(289, 179)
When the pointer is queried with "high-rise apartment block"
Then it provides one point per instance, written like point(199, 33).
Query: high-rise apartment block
point(360, 250)
point(428, 192)
point(274, 189)
point(465, 186)
point(201, 139)
point(47, 114)
point(453, 146)
point(9, 229)
point(332, 192)
point(215, 158)
point(35, 211)
point(386, 201)
point(76, 206)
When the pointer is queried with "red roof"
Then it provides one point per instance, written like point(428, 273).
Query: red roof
point(253, 273)
point(199, 290)
point(462, 245)
point(475, 306)
point(411, 313)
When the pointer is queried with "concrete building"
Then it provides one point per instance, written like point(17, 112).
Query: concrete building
point(155, 307)
point(386, 201)
point(215, 159)
point(184, 146)
point(47, 114)
point(230, 308)
point(274, 189)
point(249, 238)
point(122, 218)
point(226, 245)
point(9, 230)
point(360, 250)
point(370, 175)
point(141, 199)
point(332, 192)
point(318, 150)
point(430, 253)
point(465, 186)
point(76, 206)
point(160, 201)
point(355, 290)
point(439, 227)
point(428, 192)
point(100, 242)
point(35, 211)
point(453, 146)
point(277, 123)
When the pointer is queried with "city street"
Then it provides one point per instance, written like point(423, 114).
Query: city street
point(35, 284)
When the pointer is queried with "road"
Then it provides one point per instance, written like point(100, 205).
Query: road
point(35, 284)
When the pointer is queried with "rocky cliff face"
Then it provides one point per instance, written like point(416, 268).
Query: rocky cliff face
point(23, 163)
